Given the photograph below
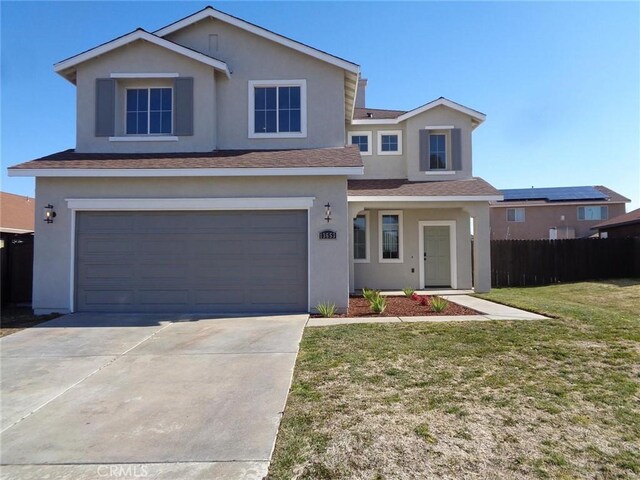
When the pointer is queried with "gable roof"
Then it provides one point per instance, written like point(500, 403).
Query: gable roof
point(17, 213)
point(391, 118)
point(210, 12)
point(66, 67)
point(563, 194)
point(376, 113)
point(626, 219)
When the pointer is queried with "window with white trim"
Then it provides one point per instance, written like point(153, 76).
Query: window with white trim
point(361, 238)
point(437, 151)
point(363, 140)
point(277, 108)
point(593, 213)
point(390, 142)
point(515, 214)
point(149, 111)
point(390, 236)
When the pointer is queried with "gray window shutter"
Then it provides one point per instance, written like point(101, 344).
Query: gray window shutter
point(456, 149)
point(105, 107)
point(424, 150)
point(183, 106)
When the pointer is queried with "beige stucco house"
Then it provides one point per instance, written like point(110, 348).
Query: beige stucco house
point(221, 167)
point(553, 213)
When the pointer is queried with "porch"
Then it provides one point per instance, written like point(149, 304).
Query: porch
point(405, 235)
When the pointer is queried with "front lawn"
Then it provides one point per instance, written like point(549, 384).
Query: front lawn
point(555, 398)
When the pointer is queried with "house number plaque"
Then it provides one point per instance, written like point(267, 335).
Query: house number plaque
point(327, 235)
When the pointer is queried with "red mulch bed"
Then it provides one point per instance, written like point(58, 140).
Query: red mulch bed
point(400, 307)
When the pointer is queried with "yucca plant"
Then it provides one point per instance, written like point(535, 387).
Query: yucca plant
point(369, 294)
point(378, 304)
point(326, 309)
point(408, 292)
point(438, 304)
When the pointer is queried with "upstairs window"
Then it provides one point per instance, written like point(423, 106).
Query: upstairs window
point(515, 214)
point(363, 140)
point(437, 152)
point(149, 111)
point(390, 142)
point(593, 213)
point(277, 109)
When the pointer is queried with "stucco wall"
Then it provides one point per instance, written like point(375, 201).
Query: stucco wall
point(143, 57)
point(400, 275)
point(329, 266)
point(407, 165)
point(539, 219)
point(250, 57)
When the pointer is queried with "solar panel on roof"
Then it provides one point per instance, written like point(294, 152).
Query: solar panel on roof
point(553, 194)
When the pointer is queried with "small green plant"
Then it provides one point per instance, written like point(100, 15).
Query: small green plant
point(438, 304)
point(369, 294)
point(326, 309)
point(378, 303)
point(408, 292)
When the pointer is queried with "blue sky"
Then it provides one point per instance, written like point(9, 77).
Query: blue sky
point(559, 82)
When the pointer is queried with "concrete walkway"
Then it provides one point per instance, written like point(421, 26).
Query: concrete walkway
point(489, 311)
point(89, 396)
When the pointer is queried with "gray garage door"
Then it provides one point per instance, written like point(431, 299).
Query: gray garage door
point(191, 261)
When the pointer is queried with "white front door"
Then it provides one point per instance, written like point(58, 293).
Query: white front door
point(437, 256)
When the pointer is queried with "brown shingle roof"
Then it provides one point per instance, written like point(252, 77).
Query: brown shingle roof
point(319, 157)
point(399, 187)
point(17, 213)
point(613, 196)
point(376, 113)
point(632, 217)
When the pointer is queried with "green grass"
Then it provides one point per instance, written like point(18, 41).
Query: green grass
point(555, 398)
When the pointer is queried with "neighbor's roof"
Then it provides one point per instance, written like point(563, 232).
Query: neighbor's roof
point(219, 159)
point(17, 213)
point(626, 219)
point(67, 67)
point(563, 194)
point(473, 187)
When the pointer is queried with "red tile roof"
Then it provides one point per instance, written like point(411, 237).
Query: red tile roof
point(17, 213)
point(318, 157)
point(631, 217)
point(399, 187)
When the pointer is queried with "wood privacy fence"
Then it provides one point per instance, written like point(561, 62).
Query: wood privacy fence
point(520, 263)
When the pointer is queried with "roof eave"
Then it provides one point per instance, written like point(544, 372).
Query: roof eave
point(67, 68)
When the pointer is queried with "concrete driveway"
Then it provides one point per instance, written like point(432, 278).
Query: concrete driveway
point(145, 396)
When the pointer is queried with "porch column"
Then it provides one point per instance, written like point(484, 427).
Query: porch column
point(481, 248)
point(354, 209)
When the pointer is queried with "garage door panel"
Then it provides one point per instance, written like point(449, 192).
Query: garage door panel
point(191, 261)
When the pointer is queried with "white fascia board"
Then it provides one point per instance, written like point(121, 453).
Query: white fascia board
point(144, 75)
point(480, 117)
point(392, 198)
point(210, 12)
point(141, 35)
point(162, 204)
point(185, 172)
point(14, 230)
point(383, 121)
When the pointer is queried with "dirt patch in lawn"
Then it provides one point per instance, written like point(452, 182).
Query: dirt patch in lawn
point(400, 307)
point(14, 319)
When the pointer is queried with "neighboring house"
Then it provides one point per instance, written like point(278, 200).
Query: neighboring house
point(553, 213)
point(214, 171)
point(17, 215)
point(622, 226)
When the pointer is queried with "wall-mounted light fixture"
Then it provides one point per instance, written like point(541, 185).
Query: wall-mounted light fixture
point(49, 214)
point(327, 212)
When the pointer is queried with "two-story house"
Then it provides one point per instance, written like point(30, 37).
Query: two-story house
point(221, 167)
point(553, 213)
